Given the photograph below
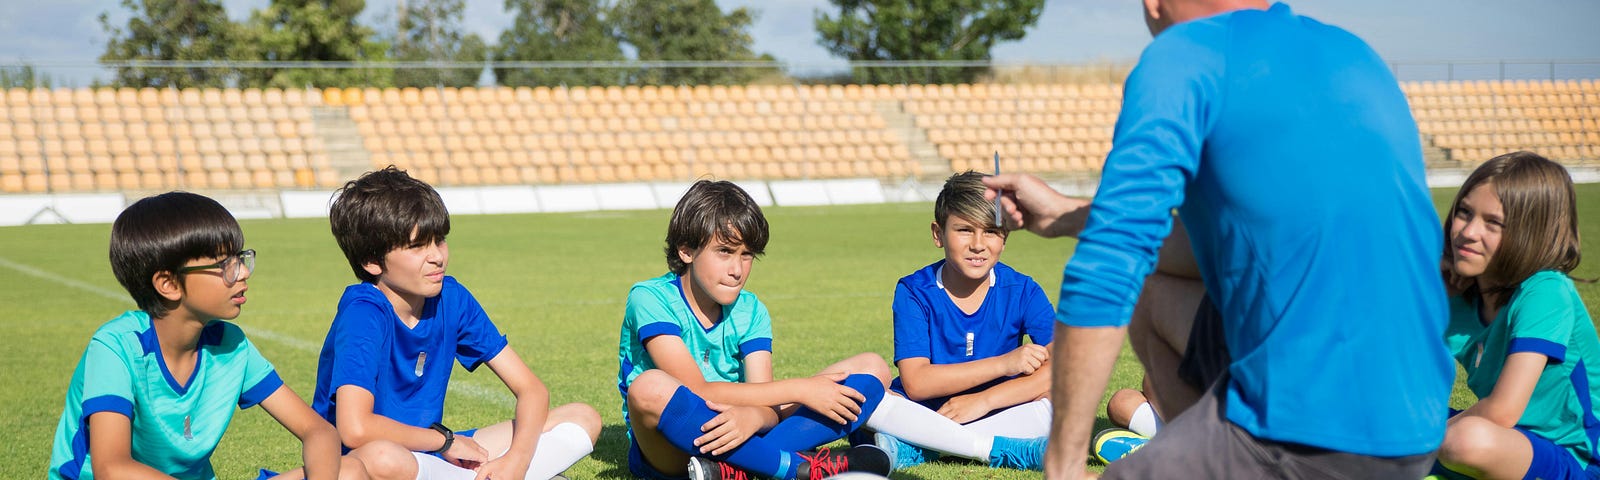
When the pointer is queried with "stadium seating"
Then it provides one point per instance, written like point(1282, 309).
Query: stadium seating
point(1474, 121)
point(73, 140)
point(624, 134)
point(148, 139)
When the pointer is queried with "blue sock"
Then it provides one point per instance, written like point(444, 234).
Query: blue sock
point(687, 412)
point(807, 429)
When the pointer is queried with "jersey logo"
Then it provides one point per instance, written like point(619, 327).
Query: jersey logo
point(422, 359)
point(1478, 357)
point(187, 433)
point(969, 343)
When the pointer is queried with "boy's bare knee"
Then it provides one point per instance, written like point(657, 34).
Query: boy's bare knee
point(580, 414)
point(871, 364)
point(651, 391)
point(1122, 405)
point(383, 459)
point(1467, 439)
point(351, 468)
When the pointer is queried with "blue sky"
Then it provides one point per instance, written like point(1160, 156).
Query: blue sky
point(1069, 31)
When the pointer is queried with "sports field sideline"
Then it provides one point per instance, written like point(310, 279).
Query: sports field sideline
point(555, 285)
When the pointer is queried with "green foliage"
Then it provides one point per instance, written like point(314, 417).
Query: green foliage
point(23, 76)
point(558, 30)
point(174, 30)
point(431, 30)
point(687, 30)
point(927, 30)
point(314, 30)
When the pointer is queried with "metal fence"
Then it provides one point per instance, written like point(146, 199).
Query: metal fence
point(232, 73)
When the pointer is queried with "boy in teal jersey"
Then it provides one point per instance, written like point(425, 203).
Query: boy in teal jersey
point(695, 359)
point(157, 386)
point(1518, 327)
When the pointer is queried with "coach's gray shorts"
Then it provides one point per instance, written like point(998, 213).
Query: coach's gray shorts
point(1203, 443)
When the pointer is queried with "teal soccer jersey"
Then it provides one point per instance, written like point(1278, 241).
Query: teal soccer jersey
point(658, 307)
point(175, 427)
point(1545, 316)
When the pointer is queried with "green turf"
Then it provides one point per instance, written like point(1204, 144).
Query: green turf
point(554, 283)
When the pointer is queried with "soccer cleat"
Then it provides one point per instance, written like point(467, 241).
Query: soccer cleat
point(265, 474)
point(1112, 444)
point(1018, 453)
point(701, 468)
point(902, 454)
point(825, 463)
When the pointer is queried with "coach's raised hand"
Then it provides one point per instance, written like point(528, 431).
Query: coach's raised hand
point(1033, 205)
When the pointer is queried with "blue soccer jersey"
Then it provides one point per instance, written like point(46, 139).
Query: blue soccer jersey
point(928, 324)
point(175, 426)
point(407, 369)
point(658, 307)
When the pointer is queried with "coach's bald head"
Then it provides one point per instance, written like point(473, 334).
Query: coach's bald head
point(1160, 14)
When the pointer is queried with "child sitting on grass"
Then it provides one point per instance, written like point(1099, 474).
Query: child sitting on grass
point(156, 387)
point(1518, 326)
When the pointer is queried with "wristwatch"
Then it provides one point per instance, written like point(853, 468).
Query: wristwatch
point(449, 437)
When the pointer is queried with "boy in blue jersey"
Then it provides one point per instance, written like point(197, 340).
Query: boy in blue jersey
point(977, 390)
point(695, 363)
point(386, 362)
point(157, 386)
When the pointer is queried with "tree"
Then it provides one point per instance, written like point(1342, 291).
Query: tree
point(173, 30)
point(558, 30)
point(687, 30)
point(23, 76)
point(314, 30)
point(928, 30)
point(431, 30)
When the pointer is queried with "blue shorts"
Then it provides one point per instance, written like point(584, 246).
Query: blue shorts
point(1553, 462)
point(640, 468)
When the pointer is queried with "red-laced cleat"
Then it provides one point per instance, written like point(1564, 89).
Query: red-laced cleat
point(825, 463)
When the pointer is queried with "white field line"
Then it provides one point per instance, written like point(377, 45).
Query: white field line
point(498, 398)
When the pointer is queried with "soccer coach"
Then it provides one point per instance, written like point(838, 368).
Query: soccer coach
point(1293, 161)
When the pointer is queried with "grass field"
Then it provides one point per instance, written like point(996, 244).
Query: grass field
point(554, 283)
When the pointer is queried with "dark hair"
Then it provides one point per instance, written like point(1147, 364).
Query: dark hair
point(1541, 217)
point(962, 196)
point(375, 214)
point(714, 210)
point(163, 232)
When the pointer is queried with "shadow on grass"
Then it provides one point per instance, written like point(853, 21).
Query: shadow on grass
point(612, 453)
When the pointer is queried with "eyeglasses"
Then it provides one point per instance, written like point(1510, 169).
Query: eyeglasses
point(233, 267)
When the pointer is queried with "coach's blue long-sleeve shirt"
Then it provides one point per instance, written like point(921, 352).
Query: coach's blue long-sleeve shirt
point(1291, 155)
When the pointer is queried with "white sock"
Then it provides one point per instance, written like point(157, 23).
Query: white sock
point(559, 448)
point(1028, 420)
point(430, 467)
point(1144, 420)
point(917, 425)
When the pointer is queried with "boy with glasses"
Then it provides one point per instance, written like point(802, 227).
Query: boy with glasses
point(386, 362)
point(157, 386)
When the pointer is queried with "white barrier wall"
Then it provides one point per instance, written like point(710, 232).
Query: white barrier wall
point(104, 207)
point(60, 208)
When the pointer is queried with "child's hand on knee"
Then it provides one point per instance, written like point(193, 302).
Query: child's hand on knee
point(732, 426)
point(832, 399)
point(965, 408)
